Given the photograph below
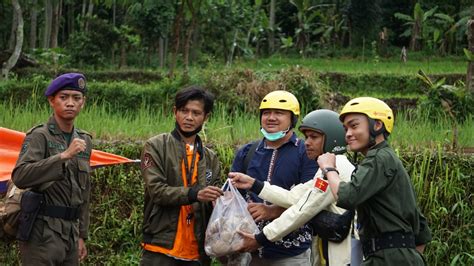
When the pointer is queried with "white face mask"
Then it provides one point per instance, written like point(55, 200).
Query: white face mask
point(274, 136)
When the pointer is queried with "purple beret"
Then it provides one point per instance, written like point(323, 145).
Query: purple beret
point(69, 81)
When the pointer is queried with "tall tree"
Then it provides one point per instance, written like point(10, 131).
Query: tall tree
point(48, 13)
point(7, 66)
point(271, 26)
point(193, 6)
point(33, 23)
point(70, 19)
point(178, 20)
point(87, 16)
point(12, 41)
point(470, 67)
point(55, 23)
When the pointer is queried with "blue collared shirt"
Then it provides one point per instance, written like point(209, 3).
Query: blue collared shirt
point(291, 167)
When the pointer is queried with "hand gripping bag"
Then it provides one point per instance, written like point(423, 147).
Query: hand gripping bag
point(229, 216)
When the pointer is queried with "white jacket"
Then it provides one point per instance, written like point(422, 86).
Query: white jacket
point(303, 202)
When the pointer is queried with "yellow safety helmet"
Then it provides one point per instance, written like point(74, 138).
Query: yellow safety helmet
point(282, 100)
point(372, 107)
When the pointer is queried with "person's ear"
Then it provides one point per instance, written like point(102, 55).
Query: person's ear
point(206, 117)
point(83, 102)
point(51, 100)
point(378, 125)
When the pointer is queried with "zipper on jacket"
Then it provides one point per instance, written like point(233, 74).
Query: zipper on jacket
point(305, 200)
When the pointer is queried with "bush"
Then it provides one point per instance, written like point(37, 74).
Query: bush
point(242, 90)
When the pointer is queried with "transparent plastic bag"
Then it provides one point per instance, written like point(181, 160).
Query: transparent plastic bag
point(229, 216)
point(239, 259)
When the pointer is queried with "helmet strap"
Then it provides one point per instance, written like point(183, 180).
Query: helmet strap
point(373, 133)
point(294, 120)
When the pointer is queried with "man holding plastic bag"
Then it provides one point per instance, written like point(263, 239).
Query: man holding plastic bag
point(280, 159)
point(324, 132)
point(180, 177)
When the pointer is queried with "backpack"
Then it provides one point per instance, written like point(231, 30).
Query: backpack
point(10, 211)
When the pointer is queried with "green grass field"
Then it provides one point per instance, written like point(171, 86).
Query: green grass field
point(221, 128)
point(433, 65)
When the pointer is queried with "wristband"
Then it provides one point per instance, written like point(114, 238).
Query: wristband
point(327, 170)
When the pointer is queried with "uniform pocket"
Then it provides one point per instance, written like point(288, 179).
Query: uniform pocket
point(83, 173)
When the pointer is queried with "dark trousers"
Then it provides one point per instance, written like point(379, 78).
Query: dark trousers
point(46, 247)
point(158, 259)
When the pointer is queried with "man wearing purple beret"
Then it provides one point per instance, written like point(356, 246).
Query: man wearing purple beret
point(54, 166)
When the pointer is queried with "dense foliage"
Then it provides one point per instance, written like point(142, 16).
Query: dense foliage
point(158, 33)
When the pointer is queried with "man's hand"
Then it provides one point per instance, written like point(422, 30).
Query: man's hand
point(421, 248)
point(76, 146)
point(249, 244)
point(82, 250)
point(241, 181)
point(209, 193)
point(327, 160)
point(260, 211)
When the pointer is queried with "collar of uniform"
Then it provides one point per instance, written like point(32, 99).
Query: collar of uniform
point(293, 139)
point(177, 136)
point(54, 128)
point(374, 148)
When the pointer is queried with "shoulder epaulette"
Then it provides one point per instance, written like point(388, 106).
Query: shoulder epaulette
point(33, 128)
point(80, 131)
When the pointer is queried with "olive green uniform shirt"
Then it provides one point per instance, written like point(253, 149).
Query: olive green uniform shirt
point(383, 194)
point(39, 163)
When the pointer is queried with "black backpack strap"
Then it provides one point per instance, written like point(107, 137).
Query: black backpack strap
point(249, 155)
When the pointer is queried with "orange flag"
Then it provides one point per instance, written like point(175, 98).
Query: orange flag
point(10, 146)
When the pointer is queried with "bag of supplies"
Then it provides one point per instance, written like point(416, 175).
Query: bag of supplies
point(229, 216)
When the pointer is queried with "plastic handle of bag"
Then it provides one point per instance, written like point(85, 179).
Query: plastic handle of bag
point(240, 200)
point(223, 188)
point(229, 187)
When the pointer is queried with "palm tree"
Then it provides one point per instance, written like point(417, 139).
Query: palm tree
point(416, 24)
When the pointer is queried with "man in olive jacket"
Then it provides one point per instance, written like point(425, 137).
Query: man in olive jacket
point(54, 160)
point(393, 230)
point(179, 175)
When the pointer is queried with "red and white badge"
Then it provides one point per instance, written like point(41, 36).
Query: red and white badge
point(321, 184)
point(147, 161)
